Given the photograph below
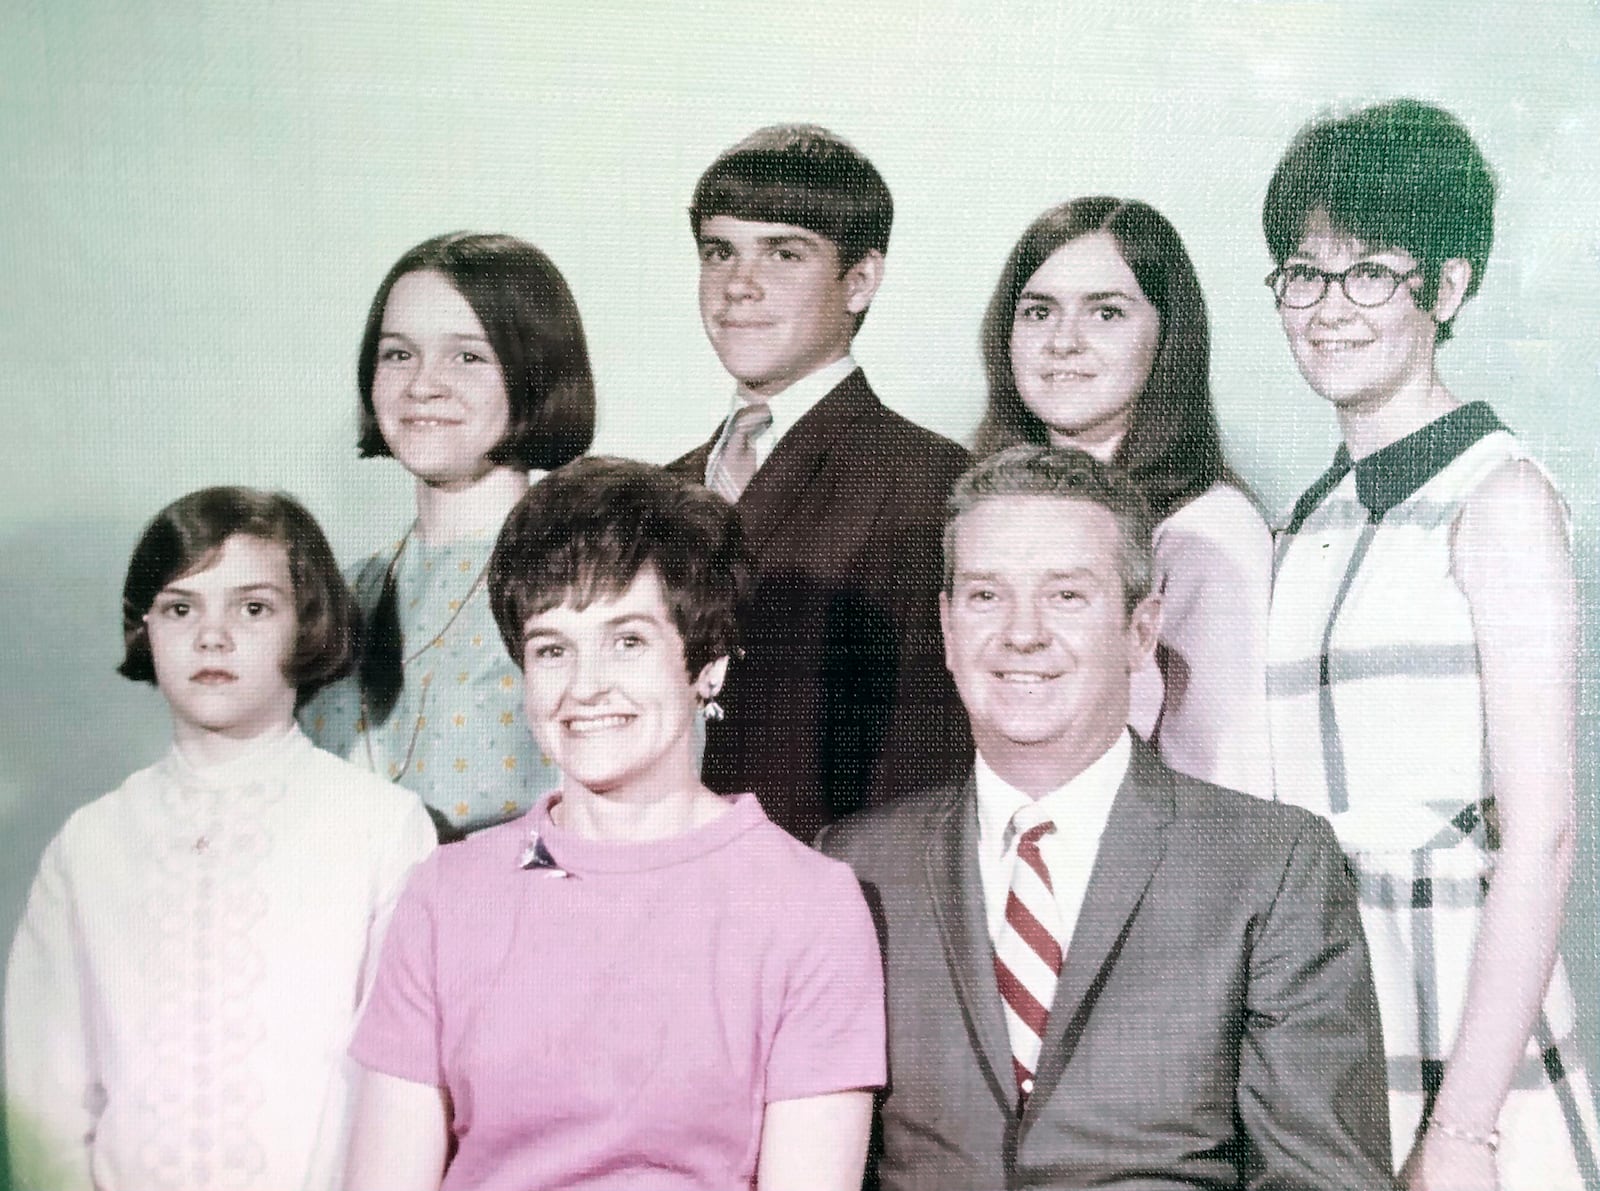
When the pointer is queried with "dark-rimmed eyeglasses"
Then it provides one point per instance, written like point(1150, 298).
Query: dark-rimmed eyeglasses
point(1366, 283)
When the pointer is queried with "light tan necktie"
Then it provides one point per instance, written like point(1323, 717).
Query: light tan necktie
point(735, 466)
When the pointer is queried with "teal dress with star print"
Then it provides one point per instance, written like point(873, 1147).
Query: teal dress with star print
point(457, 735)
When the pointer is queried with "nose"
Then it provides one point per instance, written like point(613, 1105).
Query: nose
point(427, 379)
point(1334, 306)
point(1024, 629)
point(591, 677)
point(212, 634)
point(742, 282)
point(1066, 337)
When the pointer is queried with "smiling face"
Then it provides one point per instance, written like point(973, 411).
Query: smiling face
point(219, 639)
point(774, 302)
point(437, 389)
point(1036, 636)
point(1083, 339)
point(1358, 357)
point(608, 693)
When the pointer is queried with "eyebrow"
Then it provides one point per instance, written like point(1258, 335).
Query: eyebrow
point(458, 335)
point(778, 241)
point(1029, 295)
point(1071, 573)
point(240, 590)
point(613, 623)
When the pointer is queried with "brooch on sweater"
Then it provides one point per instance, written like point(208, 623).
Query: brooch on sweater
point(537, 856)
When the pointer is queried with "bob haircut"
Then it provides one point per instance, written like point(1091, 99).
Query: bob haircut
point(589, 529)
point(186, 537)
point(1063, 473)
point(1173, 448)
point(804, 175)
point(533, 326)
point(1403, 174)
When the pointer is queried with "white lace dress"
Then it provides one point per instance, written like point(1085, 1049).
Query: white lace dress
point(186, 976)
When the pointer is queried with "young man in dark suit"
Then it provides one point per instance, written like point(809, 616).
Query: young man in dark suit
point(841, 699)
point(1101, 973)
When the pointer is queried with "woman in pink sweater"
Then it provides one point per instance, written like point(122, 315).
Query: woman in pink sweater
point(640, 984)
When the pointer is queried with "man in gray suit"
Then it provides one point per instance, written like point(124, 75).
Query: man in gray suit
point(1102, 973)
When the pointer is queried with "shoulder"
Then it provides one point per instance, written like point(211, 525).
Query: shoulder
point(348, 788)
point(785, 863)
point(893, 832)
point(1222, 517)
point(895, 437)
point(485, 860)
point(1514, 496)
point(1226, 823)
point(692, 463)
point(368, 572)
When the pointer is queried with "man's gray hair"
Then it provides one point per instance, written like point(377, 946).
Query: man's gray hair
point(1066, 474)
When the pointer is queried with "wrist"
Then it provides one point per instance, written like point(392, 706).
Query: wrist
point(1488, 1139)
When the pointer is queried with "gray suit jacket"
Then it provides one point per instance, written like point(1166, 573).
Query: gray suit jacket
point(1214, 1024)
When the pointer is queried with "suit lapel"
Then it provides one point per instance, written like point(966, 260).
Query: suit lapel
point(957, 897)
point(792, 470)
point(1130, 851)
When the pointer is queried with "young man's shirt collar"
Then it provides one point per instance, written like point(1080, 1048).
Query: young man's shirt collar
point(1079, 809)
point(788, 407)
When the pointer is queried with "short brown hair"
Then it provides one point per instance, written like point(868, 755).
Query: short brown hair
point(186, 537)
point(1067, 474)
point(589, 528)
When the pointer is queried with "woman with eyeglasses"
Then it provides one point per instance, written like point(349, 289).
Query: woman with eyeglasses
point(1421, 655)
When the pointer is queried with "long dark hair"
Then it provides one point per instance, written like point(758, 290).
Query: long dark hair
point(1173, 448)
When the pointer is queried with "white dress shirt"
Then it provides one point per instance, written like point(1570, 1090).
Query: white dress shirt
point(788, 407)
point(1079, 810)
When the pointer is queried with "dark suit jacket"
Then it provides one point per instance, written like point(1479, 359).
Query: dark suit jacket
point(842, 699)
point(1214, 1024)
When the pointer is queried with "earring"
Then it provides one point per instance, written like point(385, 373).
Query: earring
point(710, 710)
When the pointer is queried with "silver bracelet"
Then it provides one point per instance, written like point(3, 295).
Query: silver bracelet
point(1490, 1139)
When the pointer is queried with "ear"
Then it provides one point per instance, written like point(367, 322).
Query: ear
point(944, 627)
point(1454, 277)
point(862, 280)
point(1144, 628)
point(711, 677)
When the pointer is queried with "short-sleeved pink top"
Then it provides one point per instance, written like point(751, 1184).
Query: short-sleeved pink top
point(619, 1014)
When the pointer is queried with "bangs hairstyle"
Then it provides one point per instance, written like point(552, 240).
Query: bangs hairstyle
point(532, 325)
point(1173, 447)
point(1064, 474)
point(804, 175)
point(186, 537)
point(1403, 174)
point(588, 530)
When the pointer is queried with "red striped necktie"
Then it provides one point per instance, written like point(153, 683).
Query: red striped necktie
point(1027, 955)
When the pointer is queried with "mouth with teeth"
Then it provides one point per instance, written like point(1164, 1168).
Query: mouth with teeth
point(1025, 677)
point(428, 423)
point(591, 724)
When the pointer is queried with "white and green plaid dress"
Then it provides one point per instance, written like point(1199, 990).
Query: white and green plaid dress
point(1377, 722)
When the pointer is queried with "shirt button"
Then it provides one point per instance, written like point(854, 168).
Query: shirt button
point(1027, 1087)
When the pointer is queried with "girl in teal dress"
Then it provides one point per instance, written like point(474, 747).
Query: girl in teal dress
point(473, 371)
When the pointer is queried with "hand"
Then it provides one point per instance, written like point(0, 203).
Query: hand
point(1442, 1163)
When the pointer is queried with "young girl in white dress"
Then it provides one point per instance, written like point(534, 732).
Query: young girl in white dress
point(1096, 338)
point(1422, 647)
point(187, 971)
point(473, 370)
